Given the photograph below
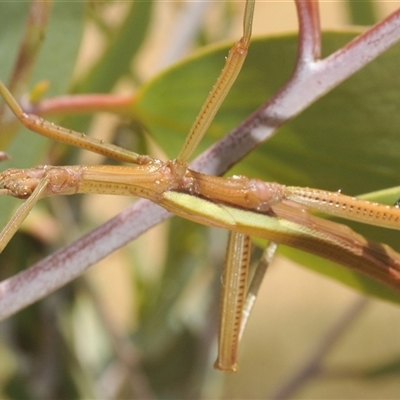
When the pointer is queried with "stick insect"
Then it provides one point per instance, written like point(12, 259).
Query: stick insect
point(247, 207)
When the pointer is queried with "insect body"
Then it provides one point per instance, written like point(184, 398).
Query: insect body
point(246, 207)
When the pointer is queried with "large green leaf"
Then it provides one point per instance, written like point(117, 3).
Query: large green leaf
point(348, 140)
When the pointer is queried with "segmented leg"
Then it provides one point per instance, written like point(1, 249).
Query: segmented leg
point(233, 293)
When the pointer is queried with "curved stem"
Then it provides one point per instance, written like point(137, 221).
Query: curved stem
point(309, 32)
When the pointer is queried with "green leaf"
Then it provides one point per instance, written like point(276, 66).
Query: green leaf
point(362, 12)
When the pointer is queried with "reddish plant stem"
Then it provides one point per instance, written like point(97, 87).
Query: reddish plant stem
point(84, 103)
point(309, 32)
